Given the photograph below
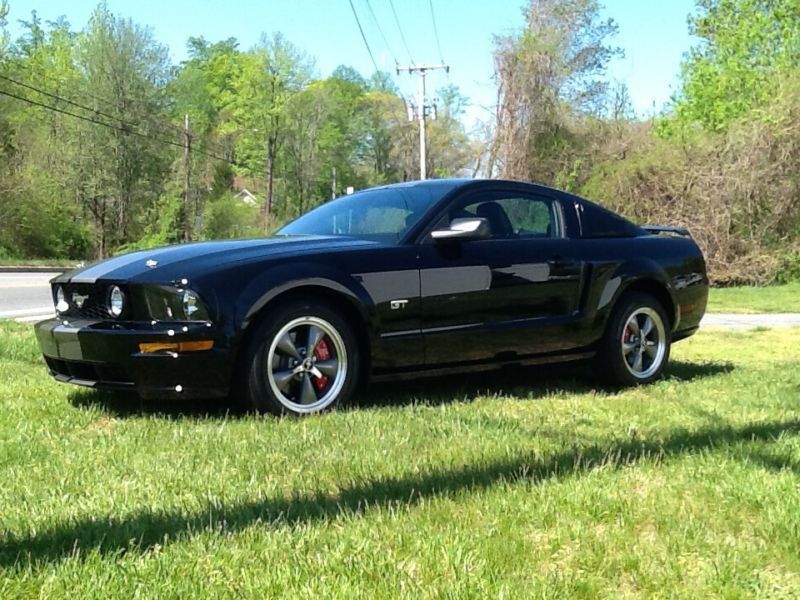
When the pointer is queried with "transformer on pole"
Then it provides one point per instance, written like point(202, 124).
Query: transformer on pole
point(422, 110)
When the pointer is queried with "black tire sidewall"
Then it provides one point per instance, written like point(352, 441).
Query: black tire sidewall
point(258, 393)
point(610, 360)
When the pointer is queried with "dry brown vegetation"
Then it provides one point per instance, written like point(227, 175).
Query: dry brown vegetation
point(737, 191)
point(733, 183)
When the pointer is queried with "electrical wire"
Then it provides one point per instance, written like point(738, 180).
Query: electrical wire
point(364, 37)
point(108, 125)
point(380, 30)
point(436, 31)
point(400, 29)
point(100, 113)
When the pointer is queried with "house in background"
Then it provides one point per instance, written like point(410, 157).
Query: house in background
point(247, 197)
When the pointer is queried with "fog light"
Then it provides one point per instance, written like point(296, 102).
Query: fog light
point(61, 300)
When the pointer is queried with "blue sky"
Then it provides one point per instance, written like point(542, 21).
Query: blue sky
point(653, 34)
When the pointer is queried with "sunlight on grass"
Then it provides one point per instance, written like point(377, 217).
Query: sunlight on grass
point(772, 299)
point(527, 485)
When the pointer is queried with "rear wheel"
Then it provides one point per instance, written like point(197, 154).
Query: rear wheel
point(303, 359)
point(636, 345)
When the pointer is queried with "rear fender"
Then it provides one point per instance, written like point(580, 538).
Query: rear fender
point(642, 273)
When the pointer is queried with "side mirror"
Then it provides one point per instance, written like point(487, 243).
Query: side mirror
point(463, 230)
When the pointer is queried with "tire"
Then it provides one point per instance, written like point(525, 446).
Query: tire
point(302, 359)
point(626, 357)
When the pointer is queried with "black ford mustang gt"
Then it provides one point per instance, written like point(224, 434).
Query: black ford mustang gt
point(403, 280)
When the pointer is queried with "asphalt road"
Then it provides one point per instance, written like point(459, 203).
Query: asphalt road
point(26, 296)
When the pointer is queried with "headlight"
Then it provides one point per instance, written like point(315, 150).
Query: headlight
point(191, 304)
point(116, 301)
point(168, 303)
point(61, 300)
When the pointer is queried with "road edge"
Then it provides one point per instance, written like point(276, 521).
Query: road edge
point(32, 269)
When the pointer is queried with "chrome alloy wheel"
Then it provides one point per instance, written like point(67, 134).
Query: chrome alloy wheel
point(307, 364)
point(644, 342)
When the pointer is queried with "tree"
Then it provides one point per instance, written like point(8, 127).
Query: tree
point(748, 49)
point(268, 78)
point(122, 167)
point(449, 146)
point(549, 75)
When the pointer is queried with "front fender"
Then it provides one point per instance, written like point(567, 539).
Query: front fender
point(280, 279)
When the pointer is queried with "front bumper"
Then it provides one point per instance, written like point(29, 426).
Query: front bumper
point(106, 355)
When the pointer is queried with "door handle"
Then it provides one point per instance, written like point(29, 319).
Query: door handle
point(559, 262)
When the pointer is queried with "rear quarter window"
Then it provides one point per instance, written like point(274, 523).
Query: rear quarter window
point(597, 222)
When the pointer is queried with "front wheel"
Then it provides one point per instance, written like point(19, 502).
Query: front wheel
point(636, 345)
point(303, 359)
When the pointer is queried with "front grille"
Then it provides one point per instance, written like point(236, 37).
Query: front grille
point(86, 300)
point(102, 373)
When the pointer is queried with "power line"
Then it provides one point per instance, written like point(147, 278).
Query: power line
point(378, 25)
point(108, 125)
point(101, 100)
point(67, 101)
point(435, 31)
point(363, 37)
point(128, 126)
point(400, 29)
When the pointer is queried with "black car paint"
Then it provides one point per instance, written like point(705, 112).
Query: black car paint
point(420, 307)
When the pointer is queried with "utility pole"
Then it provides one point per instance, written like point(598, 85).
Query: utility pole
point(187, 149)
point(421, 114)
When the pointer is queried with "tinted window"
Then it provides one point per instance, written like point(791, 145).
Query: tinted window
point(598, 222)
point(382, 214)
point(514, 216)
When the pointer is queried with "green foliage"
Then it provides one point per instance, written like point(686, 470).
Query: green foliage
point(748, 48)
point(279, 130)
point(227, 217)
point(789, 267)
point(164, 227)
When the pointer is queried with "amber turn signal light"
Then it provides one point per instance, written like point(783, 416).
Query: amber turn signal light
point(198, 346)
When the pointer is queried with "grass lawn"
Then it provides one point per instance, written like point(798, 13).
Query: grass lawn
point(772, 299)
point(509, 486)
point(38, 262)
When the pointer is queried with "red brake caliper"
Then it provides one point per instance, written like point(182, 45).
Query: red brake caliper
point(322, 353)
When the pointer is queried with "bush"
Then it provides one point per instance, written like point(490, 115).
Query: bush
point(736, 191)
point(227, 217)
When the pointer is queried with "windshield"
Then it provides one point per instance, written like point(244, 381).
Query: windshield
point(381, 214)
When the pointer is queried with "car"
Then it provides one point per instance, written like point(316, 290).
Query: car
point(406, 280)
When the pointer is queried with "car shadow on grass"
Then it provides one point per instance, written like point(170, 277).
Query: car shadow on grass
point(144, 530)
point(127, 404)
point(529, 383)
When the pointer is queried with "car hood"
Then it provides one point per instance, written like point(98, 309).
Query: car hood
point(186, 260)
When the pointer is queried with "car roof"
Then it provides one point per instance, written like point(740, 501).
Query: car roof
point(455, 182)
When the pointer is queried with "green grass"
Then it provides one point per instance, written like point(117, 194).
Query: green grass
point(38, 262)
point(510, 486)
point(772, 299)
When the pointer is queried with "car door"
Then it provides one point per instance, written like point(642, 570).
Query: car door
point(510, 296)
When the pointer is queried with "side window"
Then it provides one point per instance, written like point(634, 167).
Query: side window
point(517, 216)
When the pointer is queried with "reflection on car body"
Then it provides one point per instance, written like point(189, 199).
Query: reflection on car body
point(399, 281)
